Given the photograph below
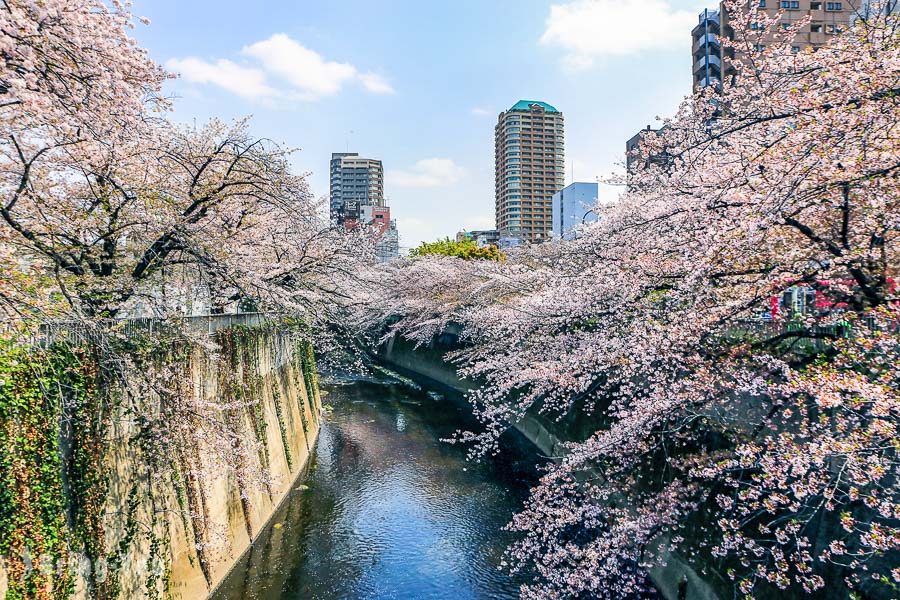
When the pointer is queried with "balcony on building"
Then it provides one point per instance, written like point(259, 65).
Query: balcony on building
point(713, 61)
point(710, 81)
point(707, 39)
point(710, 22)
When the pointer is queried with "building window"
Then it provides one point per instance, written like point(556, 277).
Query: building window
point(816, 27)
point(834, 6)
point(833, 28)
point(762, 3)
point(793, 4)
point(815, 6)
point(795, 49)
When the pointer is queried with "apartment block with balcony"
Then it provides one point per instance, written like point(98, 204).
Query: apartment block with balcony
point(711, 64)
point(356, 182)
point(706, 50)
point(529, 168)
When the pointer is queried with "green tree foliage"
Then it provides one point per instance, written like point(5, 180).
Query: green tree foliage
point(466, 250)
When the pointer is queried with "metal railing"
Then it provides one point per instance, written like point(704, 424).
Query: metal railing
point(712, 60)
point(710, 81)
point(710, 15)
point(835, 330)
point(707, 38)
point(77, 332)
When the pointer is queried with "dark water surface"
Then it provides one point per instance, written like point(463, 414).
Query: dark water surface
point(390, 511)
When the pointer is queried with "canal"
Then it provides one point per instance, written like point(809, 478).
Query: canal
point(388, 510)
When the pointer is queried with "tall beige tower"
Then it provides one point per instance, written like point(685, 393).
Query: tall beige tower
point(529, 155)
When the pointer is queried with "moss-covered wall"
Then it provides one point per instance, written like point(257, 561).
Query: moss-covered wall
point(121, 485)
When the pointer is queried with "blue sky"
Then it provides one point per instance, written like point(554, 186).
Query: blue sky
point(419, 84)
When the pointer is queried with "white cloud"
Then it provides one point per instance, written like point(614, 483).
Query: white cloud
point(414, 231)
point(480, 112)
point(304, 73)
point(375, 83)
point(592, 29)
point(305, 70)
point(246, 82)
point(429, 172)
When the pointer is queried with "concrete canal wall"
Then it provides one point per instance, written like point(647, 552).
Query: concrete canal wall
point(278, 434)
point(166, 523)
point(677, 580)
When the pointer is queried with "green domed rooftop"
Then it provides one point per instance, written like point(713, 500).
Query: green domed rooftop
point(526, 105)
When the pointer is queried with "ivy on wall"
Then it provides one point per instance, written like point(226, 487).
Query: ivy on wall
point(34, 540)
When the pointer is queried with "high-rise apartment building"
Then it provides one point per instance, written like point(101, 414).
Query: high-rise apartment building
point(529, 154)
point(711, 62)
point(355, 182)
point(357, 200)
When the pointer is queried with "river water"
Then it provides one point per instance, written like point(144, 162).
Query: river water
point(387, 510)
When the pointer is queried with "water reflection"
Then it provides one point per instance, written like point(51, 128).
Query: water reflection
point(389, 511)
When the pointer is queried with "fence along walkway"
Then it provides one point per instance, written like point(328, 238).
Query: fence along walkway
point(75, 332)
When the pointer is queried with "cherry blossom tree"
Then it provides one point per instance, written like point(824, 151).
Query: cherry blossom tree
point(108, 209)
point(762, 453)
point(71, 79)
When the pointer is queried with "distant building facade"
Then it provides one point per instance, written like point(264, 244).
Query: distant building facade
point(378, 218)
point(710, 62)
point(487, 237)
point(631, 148)
point(357, 200)
point(355, 182)
point(507, 242)
point(388, 246)
point(635, 161)
point(574, 206)
point(706, 50)
point(529, 154)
